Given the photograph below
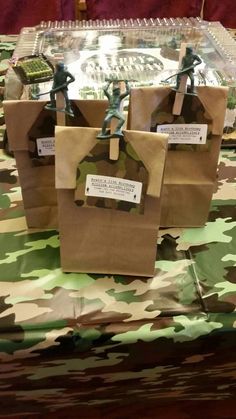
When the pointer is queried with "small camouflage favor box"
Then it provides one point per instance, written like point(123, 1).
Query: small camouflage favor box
point(109, 211)
point(190, 171)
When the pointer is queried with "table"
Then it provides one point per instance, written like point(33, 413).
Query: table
point(75, 344)
point(75, 340)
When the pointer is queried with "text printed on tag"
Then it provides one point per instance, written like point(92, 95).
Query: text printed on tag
point(113, 188)
point(184, 133)
point(46, 146)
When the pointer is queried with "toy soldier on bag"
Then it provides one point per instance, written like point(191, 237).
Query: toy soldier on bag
point(113, 110)
point(61, 79)
point(189, 61)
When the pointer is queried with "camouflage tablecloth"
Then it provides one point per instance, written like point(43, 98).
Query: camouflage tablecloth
point(76, 340)
point(74, 343)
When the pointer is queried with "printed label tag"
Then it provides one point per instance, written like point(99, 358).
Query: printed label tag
point(114, 188)
point(185, 133)
point(46, 146)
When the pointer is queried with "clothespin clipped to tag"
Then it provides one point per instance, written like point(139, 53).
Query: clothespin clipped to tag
point(61, 116)
point(179, 96)
point(114, 149)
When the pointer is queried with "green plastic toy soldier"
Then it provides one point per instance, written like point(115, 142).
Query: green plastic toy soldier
point(61, 79)
point(189, 61)
point(113, 111)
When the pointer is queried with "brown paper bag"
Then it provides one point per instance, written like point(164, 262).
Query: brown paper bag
point(190, 171)
point(26, 122)
point(101, 234)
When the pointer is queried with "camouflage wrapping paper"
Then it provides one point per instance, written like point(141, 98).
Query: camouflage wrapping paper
point(84, 343)
point(190, 172)
point(108, 237)
point(26, 121)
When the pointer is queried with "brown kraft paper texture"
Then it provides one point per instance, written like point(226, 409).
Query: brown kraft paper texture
point(98, 235)
point(190, 171)
point(26, 121)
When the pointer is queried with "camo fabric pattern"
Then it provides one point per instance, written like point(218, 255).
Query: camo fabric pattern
point(74, 340)
point(193, 112)
point(128, 166)
point(74, 343)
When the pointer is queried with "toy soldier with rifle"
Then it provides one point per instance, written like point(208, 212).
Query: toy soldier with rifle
point(61, 79)
point(189, 62)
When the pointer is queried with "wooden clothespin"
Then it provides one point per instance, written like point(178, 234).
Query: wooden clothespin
point(179, 96)
point(60, 104)
point(114, 149)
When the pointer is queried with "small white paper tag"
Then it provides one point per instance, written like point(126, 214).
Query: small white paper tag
point(46, 146)
point(114, 188)
point(185, 133)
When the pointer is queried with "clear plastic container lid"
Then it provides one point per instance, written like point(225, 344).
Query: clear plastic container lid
point(146, 51)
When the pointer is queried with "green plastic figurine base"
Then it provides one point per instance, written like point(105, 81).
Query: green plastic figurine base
point(108, 135)
point(185, 93)
point(52, 108)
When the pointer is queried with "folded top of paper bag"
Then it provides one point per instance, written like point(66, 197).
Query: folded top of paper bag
point(73, 144)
